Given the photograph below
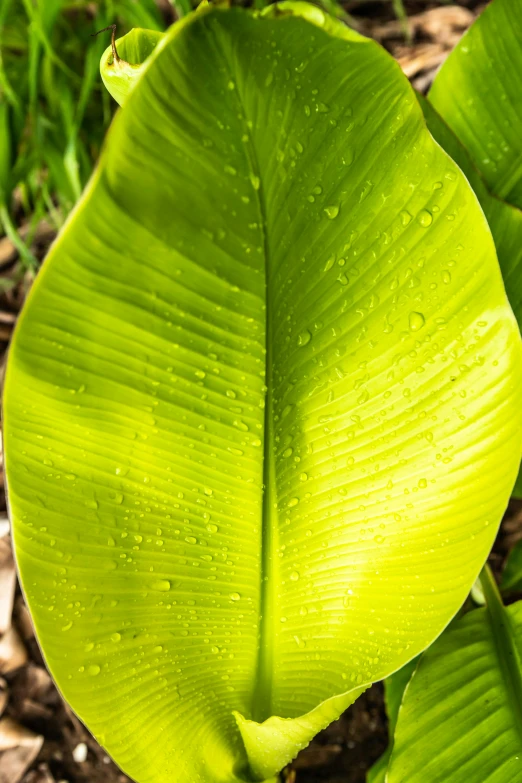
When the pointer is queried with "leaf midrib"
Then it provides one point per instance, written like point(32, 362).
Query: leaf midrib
point(262, 697)
point(261, 706)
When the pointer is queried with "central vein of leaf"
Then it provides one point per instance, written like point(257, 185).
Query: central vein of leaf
point(262, 699)
point(261, 708)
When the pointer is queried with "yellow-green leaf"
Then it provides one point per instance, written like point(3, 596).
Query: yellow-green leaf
point(253, 397)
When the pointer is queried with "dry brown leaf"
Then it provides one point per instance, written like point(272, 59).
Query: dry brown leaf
point(12, 734)
point(421, 58)
point(7, 318)
point(5, 332)
point(31, 711)
point(24, 623)
point(442, 24)
point(12, 651)
point(4, 695)
point(423, 81)
point(3, 364)
point(35, 681)
point(19, 748)
point(40, 775)
point(7, 584)
point(7, 251)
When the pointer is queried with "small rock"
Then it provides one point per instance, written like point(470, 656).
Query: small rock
point(80, 753)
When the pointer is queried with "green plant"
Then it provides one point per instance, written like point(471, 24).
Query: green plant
point(460, 717)
point(53, 115)
point(460, 714)
point(477, 93)
point(512, 574)
point(251, 401)
point(394, 687)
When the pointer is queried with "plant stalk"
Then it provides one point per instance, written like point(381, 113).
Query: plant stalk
point(504, 640)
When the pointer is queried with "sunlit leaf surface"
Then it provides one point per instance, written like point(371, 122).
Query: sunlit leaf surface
point(253, 399)
point(478, 91)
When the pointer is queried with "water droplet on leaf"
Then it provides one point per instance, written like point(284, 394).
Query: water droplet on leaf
point(416, 321)
point(425, 218)
point(332, 212)
point(304, 338)
point(161, 585)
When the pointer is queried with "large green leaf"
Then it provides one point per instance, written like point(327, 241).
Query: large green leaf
point(505, 220)
point(478, 91)
point(253, 397)
point(461, 715)
point(394, 687)
point(123, 65)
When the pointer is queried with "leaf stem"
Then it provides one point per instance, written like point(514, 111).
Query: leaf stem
point(505, 647)
point(116, 57)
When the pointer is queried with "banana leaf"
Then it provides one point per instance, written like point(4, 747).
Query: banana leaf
point(460, 719)
point(478, 94)
point(253, 398)
point(394, 687)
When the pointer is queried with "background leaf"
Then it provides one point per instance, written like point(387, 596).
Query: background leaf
point(477, 92)
point(121, 75)
point(505, 220)
point(394, 687)
point(512, 575)
point(273, 283)
point(461, 717)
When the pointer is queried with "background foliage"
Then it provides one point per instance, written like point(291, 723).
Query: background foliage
point(53, 117)
point(53, 110)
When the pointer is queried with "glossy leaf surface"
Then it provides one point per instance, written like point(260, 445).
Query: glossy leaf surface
point(461, 716)
point(122, 66)
point(252, 399)
point(505, 220)
point(394, 687)
point(478, 91)
point(458, 75)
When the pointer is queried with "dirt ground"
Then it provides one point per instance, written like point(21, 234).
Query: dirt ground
point(41, 740)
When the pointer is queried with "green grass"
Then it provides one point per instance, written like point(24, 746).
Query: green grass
point(53, 110)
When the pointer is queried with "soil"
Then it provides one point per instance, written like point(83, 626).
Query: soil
point(41, 740)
